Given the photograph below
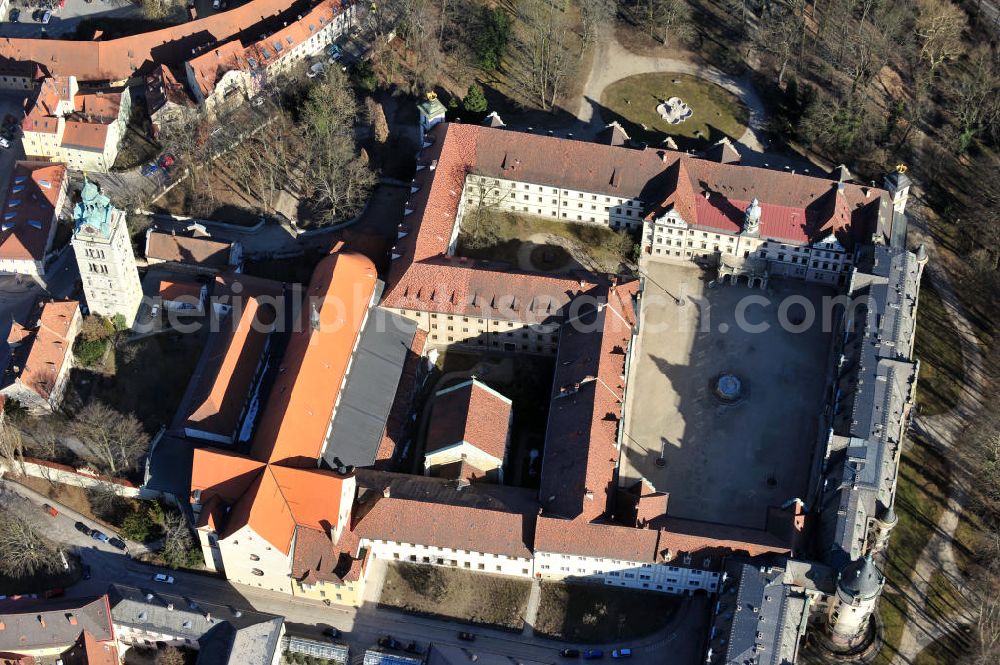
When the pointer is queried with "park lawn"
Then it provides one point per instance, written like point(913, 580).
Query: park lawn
point(940, 354)
point(943, 598)
point(597, 614)
point(633, 101)
point(947, 650)
point(891, 612)
point(596, 244)
point(456, 594)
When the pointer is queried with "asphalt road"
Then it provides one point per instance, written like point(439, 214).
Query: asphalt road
point(64, 20)
point(678, 644)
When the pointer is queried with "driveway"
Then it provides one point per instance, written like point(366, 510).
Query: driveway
point(612, 62)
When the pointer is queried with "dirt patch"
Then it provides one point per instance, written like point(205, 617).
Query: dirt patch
point(597, 614)
point(456, 594)
point(70, 496)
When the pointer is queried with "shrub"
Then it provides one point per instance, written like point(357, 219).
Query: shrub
point(90, 351)
point(139, 525)
point(475, 101)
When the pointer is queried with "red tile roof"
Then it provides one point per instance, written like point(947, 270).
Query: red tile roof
point(86, 135)
point(226, 381)
point(119, 59)
point(472, 413)
point(30, 210)
point(180, 288)
point(317, 559)
point(580, 452)
point(443, 525)
point(300, 405)
point(37, 361)
point(671, 542)
point(182, 249)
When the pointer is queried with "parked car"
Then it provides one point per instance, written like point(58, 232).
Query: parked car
point(593, 654)
point(570, 653)
point(166, 161)
point(163, 578)
point(58, 592)
point(82, 528)
point(466, 637)
point(118, 543)
point(334, 54)
point(332, 633)
point(86, 572)
point(50, 510)
point(97, 534)
point(414, 648)
point(15, 15)
point(621, 653)
point(46, 16)
point(389, 642)
point(149, 169)
point(154, 311)
point(4, 143)
point(316, 69)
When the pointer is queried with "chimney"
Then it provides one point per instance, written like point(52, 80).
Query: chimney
point(170, 607)
point(41, 620)
point(208, 617)
point(72, 619)
point(386, 492)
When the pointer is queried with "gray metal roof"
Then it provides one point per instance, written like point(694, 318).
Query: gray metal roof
point(872, 399)
point(225, 634)
point(860, 579)
point(52, 623)
point(751, 617)
point(366, 400)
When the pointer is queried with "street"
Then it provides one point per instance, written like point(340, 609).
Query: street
point(679, 643)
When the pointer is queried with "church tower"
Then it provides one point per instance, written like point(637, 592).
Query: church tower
point(104, 256)
point(751, 221)
point(859, 585)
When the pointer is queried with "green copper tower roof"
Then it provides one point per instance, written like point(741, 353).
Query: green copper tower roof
point(92, 215)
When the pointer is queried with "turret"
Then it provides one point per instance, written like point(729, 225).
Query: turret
point(898, 185)
point(882, 526)
point(751, 223)
point(859, 585)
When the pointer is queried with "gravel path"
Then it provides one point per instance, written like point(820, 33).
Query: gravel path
point(942, 431)
point(612, 62)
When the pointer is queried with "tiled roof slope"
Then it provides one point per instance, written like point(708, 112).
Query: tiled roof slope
point(442, 525)
point(473, 413)
point(118, 59)
point(38, 360)
point(38, 625)
point(293, 426)
point(580, 452)
point(30, 208)
point(182, 249)
point(226, 379)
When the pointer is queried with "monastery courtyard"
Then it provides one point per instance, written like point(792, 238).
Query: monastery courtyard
point(723, 462)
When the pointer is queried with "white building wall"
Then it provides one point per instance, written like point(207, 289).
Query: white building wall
point(481, 333)
point(669, 577)
point(564, 205)
point(496, 564)
point(250, 559)
point(108, 270)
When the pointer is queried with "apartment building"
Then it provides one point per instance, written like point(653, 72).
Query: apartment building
point(35, 199)
point(229, 73)
point(70, 630)
point(81, 129)
point(41, 356)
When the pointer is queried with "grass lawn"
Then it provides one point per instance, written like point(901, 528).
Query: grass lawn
point(891, 611)
point(947, 650)
point(940, 354)
point(920, 499)
point(456, 594)
point(943, 599)
point(593, 246)
point(595, 614)
point(633, 101)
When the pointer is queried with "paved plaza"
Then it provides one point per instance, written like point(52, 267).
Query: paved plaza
point(723, 462)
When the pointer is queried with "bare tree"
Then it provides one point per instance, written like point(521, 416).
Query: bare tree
point(23, 551)
point(596, 14)
point(939, 28)
point(974, 96)
point(550, 58)
point(116, 439)
point(376, 115)
point(478, 225)
point(169, 656)
point(666, 19)
point(781, 32)
point(178, 544)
